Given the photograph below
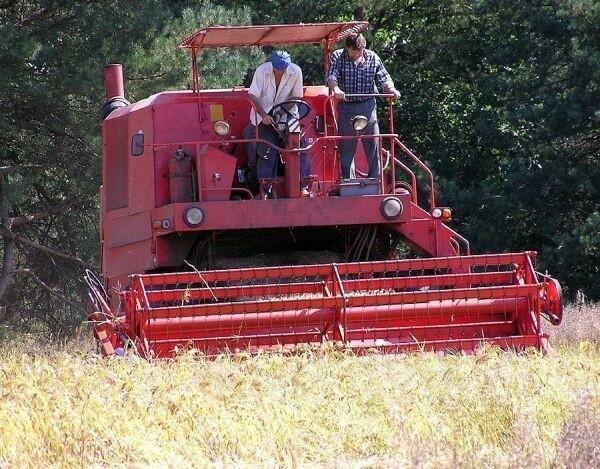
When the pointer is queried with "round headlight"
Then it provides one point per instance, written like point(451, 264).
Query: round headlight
point(222, 128)
point(359, 123)
point(436, 213)
point(193, 216)
point(391, 208)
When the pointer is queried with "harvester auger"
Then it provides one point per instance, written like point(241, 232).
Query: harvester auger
point(177, 203)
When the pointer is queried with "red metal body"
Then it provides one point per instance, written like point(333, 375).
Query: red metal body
point(175, 201)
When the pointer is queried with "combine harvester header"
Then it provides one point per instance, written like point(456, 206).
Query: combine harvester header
point(178, 200)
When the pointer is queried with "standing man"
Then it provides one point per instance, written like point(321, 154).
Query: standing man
point(273, 82)
point(357, 70)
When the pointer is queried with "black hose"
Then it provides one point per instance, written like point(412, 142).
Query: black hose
point(370, 245)
point(352, 248)
point(111, 105)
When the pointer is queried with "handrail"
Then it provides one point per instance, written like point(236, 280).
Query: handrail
point(423, 166)
point(160, 146)
point(331, 99)
point(413, 179)
point(369, 95)
point(322, 139)
point(455, 241)
point(319, 141)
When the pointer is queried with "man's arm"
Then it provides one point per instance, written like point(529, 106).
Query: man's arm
point(335, 89)
point(256, 89)
point(266, 118)
point(332, 76)
point(384, 80)
point(298, 89)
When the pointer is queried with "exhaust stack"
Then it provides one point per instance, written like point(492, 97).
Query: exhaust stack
point(114, 88)
point(113, 81)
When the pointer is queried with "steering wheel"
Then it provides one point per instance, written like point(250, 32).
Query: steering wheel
point(303, 108)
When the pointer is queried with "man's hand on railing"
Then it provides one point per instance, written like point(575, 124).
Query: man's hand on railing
point(339, 94)
point(395, 92)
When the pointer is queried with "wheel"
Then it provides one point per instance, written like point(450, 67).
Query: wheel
point(303, 108)
point(553, 298)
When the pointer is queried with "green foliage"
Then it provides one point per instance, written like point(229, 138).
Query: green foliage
point(51, 61)
point(157, 65)
point(578, 256)
point(300, 11)
point(499, 99)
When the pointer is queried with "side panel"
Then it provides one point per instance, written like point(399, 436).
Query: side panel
point(141, 167)
point(176, 123)
point(128, 229)
point(127, 194)
point(115, 162)
point(216, 173)
point(134, 257)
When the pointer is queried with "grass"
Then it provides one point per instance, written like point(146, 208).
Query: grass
point(62, 406)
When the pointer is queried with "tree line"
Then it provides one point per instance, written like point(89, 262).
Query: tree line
point(500, 99)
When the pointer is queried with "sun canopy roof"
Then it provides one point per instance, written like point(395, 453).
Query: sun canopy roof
point(268, 35)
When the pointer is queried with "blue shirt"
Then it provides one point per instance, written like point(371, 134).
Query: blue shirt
point(358, 78)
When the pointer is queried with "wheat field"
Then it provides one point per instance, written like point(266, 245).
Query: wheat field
point(62, 406)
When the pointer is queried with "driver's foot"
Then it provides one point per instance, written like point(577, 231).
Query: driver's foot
point(268, 194)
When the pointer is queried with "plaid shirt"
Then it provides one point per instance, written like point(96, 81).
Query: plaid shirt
point(361, 78)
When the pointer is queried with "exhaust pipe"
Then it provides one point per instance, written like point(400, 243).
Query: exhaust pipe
point(113, 81)
point(114, 89)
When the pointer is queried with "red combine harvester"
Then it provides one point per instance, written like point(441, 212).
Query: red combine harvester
point(177, 204)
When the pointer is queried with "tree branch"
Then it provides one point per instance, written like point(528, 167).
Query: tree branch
point(40, 282)
point(18, 221)
point(21, 166)
point(51, 252)
point(8, 265)
point(31, 17)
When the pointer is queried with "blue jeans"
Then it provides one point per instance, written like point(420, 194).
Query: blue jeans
point(346, 111)
point(264, 158)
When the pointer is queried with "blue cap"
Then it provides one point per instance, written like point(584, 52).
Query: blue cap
point(280, 59)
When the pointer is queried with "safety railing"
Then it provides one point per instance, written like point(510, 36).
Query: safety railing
point(391, 164)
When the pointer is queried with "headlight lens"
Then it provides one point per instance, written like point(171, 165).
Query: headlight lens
point(436, 213)
point(359, 123)
point(222, 128)
point(193, 216)
point(391, 208)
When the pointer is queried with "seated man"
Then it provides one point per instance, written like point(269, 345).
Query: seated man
point(273, 82)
